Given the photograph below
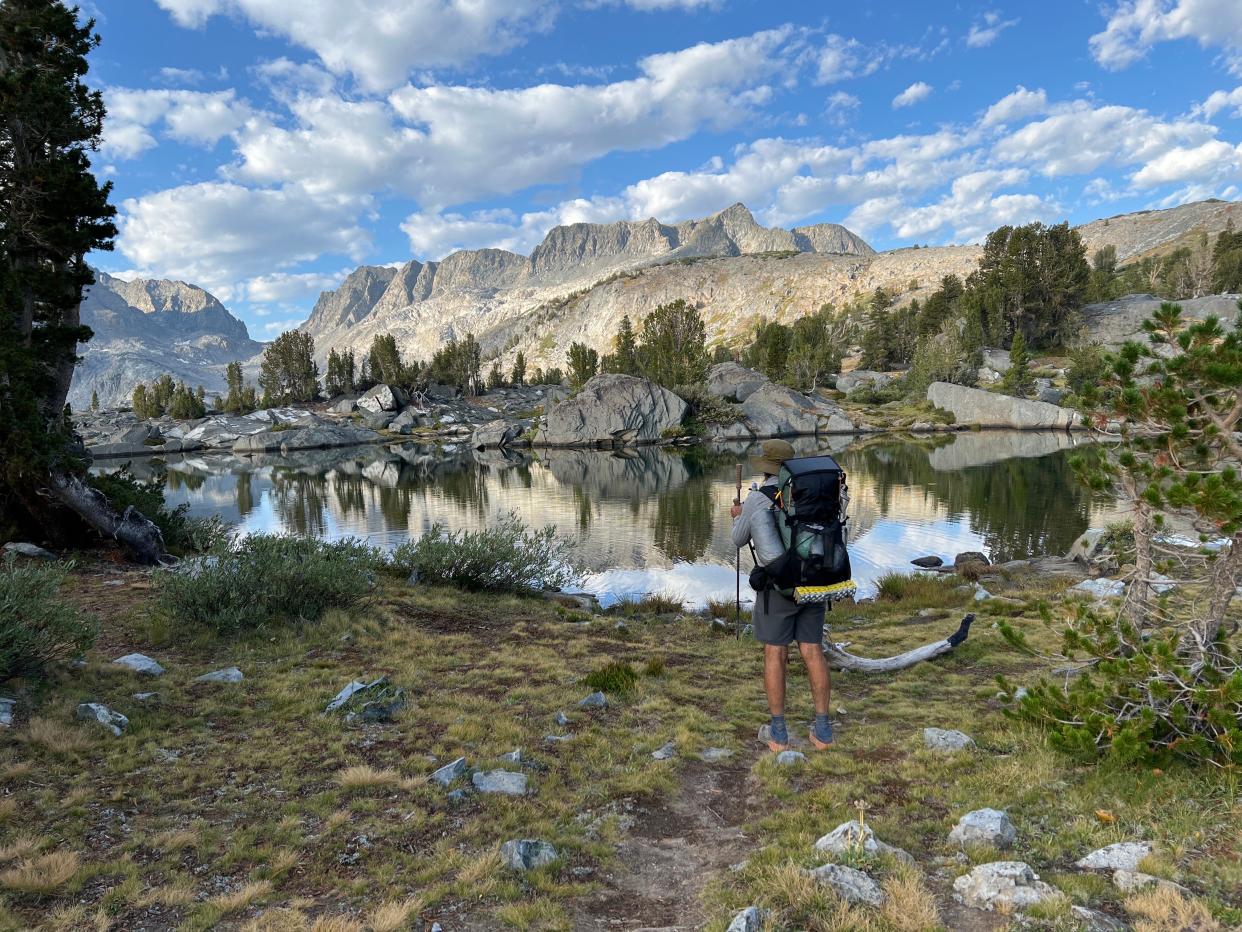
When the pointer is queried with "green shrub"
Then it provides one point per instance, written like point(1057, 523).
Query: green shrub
point(36, 626)
point(918, 589)
point(879, 394)
point(1087, 368)
point(612, 678)
point(181, 532)
point(705, 409)
point(265, 579)
point(506, 558)
point(654, 667)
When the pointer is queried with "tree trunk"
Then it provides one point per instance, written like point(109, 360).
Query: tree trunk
point(840, 659)
point(140, 537)
point(1138, 594)
point(1223, 584)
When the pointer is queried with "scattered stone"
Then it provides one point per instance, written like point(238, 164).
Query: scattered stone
point(594, 701)
point(513, 757)
point(500, 781)
point(665, 752)
point(1004, 886)
point(145, 697)
point(940, 739)
point(556, 739)
point(984, 827)
point(790, 758)
point(450, 771)
point(848, 381)
point(1101, 588)
point(115, 722)
point(457, 797)
point(967, 557)
point(383, 700)
point(227, 675)
point(32, 551)
point(748, 920)
point(562, 719)
point(1133, 881)
point(6, 712)
point(1095, 921)
point(525, 854)
point(847, 837)
point(849, 884)
point(928, 562)
point(981, 594)
point(713, 755)
point(1122, 856)
point(140, 663)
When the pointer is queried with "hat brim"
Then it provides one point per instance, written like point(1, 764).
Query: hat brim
point(764, 465)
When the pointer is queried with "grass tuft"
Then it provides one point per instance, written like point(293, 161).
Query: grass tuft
point(615, 677)
point(58, 738)
point(242, 897)
point(394, 915)
point(363, 776)
point(41, 875)
point(918, 590)
point(1163, 909)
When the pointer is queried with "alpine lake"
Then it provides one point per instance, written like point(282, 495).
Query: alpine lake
point(655, 519)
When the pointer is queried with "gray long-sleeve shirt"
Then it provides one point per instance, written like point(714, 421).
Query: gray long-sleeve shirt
point(757, 523)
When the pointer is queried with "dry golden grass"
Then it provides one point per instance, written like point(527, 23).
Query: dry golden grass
point(910, 906)
point(178, 839)
point(393, 916)
point(75, 919)
point(363, 776)
point(280, 919)
point(8, 808)
point(1163, 909)
point(16, 770)
point(56, 737)
point(337, 923)
point(41, 875)
point(22, 846)
point(242, 897)
point(336, 819)
point(178, 893)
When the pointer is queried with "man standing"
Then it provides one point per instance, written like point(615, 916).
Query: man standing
point(779, 620)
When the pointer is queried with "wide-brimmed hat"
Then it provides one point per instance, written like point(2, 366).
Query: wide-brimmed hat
point(774, 453)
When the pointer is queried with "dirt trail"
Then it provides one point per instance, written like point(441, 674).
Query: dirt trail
point(673, 850)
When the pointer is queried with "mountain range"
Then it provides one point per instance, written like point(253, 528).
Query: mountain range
point(576, 285)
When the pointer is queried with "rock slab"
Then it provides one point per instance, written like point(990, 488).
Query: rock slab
point(140, 663)
point(984, 827)
point(614, 409)
point(227, 675)
point(848, 837)
point(450, 771)
point(524, 854)
point(849, 884)
point(96, 712)
point(504, 782)
point(974, 406)
point(748, 920)
point(1004, 886)
point(941, 739)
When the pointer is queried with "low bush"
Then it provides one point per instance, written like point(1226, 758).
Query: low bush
point(896, 390)
point(37, 627)
point(265, 579)
point(917, 589)
point(506, 558)
point(1088, 366)
point(705, 409)
point(654, 603)
point(182, 533)
point(612, 678)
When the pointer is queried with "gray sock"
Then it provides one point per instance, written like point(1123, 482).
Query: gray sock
point(780, 734)
point(823, 728)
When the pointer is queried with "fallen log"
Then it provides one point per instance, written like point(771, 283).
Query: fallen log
point(840, 659)
point(134, 531)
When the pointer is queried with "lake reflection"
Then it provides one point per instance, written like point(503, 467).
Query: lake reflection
point(656, 519)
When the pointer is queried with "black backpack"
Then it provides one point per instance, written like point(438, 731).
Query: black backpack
point(808, 499)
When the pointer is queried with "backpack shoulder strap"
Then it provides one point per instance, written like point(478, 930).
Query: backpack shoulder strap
point(769, 492)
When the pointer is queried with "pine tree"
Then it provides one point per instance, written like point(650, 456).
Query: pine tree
point(673, 350)
point(624, 356)
point(288, 373)
point(386, 365)
point(519, 369)
point(94, 400)
point(496, 377)
point(140, 403)
point(583, 364)
point(1018, 380)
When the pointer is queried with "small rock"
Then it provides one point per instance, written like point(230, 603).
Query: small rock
point(929, 562)
point(513, 757)
point(500, 781)
point(984, 827)
point(981, 594)
point(1101, 588)
point(555, 739)
point(594, 701)
point(115, 722)
point(665, 752)
point(790, 758)
point(144, 697)
point(970, 556)
point(849, 884)
point(32, 551)
point(6, 712)
point(524, 854)
point(227, 675)
point(562, 719)
point(940, 739)
point(450, 772)
point(1133, 881)
point(748, 920)
point(712, 755)
point(1122, 856)
point(1006, 886)
point(1095, 921)
point(457, 797)
point(140, 663)
point(847, 837)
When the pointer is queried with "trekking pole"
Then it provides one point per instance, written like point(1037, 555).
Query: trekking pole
point(737, 620)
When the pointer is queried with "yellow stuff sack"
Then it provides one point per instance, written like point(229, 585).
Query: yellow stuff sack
point(806, 595)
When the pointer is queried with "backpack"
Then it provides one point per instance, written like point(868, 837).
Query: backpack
point(808, 509)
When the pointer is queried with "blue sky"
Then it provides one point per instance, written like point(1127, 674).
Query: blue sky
point(264, 148)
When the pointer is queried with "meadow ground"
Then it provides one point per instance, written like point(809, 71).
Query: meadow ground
point(245, 806)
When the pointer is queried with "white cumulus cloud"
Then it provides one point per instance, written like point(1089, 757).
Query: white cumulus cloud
point(1136, 25)
point(1016, 106)
point(988, 31)
point(199, 117)
point(915, 93)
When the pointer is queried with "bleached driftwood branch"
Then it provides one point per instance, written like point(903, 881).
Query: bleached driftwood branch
point(840, 659)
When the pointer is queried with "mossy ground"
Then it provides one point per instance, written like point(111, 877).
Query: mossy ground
point(245, 806)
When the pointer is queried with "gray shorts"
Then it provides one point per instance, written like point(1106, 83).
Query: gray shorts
point(779, 620)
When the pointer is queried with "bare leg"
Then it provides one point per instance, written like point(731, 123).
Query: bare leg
point(775, 660)
point(821, 678)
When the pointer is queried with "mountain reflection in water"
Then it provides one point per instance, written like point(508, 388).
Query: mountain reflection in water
point(656, 519)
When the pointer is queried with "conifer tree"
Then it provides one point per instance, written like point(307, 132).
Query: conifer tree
point(583, 364)
point(519, 369)
point(624, 356)
point(288, 373)
point(496, 377)
point(1018, 380)
point(673, 350)
point(94, 400)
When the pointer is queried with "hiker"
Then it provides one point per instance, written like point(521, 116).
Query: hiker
point(778, 619)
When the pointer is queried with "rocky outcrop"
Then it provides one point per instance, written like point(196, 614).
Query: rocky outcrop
point(734, 382)
point(316, 435)
point(776, 411)
point(1004, 886)
point(975, 407)
point(383, 398)
point(1112, 323)
point(613, 410)
point(1146, 230)
point(148, 328)
point(848, 381)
